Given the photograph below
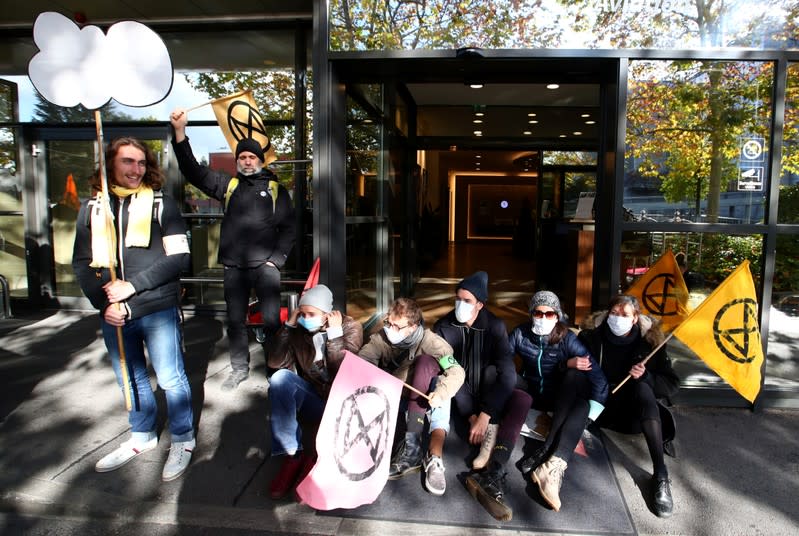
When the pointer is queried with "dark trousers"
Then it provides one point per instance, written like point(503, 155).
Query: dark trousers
point(512, 415)
point(570, 412)
point(239, 282)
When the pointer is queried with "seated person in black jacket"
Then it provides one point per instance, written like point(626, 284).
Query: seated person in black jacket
point(495, 410)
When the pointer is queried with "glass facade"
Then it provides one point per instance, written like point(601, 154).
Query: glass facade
point(697, 134)
point(584, 24)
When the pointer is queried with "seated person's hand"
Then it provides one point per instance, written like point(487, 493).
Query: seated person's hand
point(478, 428)
point(435, 400)
point(334, 319)
point(638, 370)
point(579, 363)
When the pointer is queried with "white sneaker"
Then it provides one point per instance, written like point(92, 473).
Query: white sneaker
point(178, 460)
point(124, 453)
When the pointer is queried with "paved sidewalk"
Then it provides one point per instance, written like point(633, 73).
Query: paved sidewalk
point(737, 472)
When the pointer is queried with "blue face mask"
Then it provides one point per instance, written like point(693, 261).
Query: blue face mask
point(312, 324)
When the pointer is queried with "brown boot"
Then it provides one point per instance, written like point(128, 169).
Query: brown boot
point(549, 477)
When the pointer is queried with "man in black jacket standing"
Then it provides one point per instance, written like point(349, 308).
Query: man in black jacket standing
point(140, 302)
point(495, 409)
point(257, 237)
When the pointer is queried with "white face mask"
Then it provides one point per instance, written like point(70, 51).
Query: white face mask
point(544, 326)
point(394, 336)
point(620, 325)
point(463, 310)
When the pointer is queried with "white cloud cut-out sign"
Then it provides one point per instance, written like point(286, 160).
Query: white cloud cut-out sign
point(129, 64)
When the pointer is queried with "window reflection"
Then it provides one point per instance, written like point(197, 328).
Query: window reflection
point(782, 361)
point(697, 134)
point(789, 181)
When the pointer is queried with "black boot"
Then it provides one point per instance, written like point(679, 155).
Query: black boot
point(536, 458)
point(664, 505)
point(408, 458)
point(489, 489)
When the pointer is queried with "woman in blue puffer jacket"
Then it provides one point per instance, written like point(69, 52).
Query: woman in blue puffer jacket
point(562, 377)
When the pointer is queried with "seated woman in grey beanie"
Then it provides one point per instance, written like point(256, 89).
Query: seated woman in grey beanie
point(561, 375)
point(307, 351)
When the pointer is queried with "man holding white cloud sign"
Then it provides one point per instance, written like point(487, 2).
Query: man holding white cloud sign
point(256, 239)
point(130, 240)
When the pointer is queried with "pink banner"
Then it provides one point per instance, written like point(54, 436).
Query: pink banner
point(355, 438)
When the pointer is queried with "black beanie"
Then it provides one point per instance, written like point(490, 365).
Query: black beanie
point(477, 284)
point(249, 144)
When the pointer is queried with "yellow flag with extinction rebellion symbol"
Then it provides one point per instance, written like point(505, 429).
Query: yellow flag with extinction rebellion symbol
point(239, 118)
point(723, 330)
point(662, 293)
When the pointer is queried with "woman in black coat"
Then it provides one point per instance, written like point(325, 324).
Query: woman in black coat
point(620, 338)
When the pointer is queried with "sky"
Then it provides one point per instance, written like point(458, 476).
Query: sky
point(203, 140)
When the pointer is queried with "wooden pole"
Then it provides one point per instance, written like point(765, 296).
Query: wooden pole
point(187, 110)
point(123, 365)
point(417, 391)
point(643, 361)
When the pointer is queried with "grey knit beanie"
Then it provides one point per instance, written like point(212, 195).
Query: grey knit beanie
point(547, 299)
point(319, 297)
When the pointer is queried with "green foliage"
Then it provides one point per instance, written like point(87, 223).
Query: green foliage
point(786, 270)
point(721, 254)
point(273, 92)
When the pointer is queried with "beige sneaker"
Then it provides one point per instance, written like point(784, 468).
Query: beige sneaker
point(549, 477)
point(489, 440)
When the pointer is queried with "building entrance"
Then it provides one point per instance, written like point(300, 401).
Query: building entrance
point(465, 170)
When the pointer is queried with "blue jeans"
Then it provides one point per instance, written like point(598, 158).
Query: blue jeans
point(159, 331)
point(291, 396)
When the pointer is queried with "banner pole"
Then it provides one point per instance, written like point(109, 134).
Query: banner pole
point(643, 361)
point(112, 257)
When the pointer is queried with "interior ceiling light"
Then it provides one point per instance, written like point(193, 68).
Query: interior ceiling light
point(531, 114)
point(553, 86)
point(479, 114)
point(577, 133)
point(478, 156)
point(562, 136)
point(590, 122)
point(586, 115)
point(533, 121)
point(476, 86)
point(453, 147)
point(478, 132)
point(527, 132)
point(477, 121)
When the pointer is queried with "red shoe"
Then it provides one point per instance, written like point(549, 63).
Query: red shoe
point(287, 475)
point(310, 461)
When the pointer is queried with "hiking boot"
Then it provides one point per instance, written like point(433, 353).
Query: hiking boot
point(489, 440)
point(434, 479)
point(124, 453)
point(536, 458)
point(549, 477)
point(234, 379)
point(409, 457)
point(664, 506)
point(178, 460)
point(287, 475)
point(489, 488)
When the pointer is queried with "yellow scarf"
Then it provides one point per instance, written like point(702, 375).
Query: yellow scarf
point(140, 215)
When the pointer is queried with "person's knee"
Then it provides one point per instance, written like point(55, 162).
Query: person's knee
point(280, 380)
point(521, 399)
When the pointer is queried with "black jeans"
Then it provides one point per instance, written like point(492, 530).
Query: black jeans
point(265, 279)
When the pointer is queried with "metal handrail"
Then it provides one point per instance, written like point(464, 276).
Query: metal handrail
point(6, 297)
